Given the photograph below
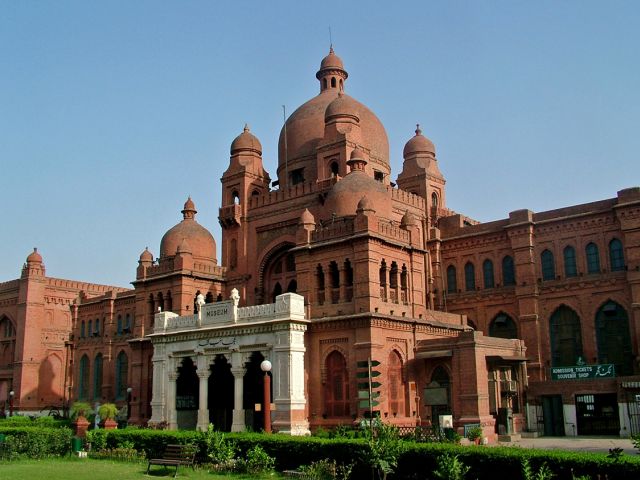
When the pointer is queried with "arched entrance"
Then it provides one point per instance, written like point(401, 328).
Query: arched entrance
point(187, 391)
point(253, 386)
point(440, 380)
point(221, 394)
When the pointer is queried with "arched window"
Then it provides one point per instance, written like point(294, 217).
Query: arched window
point(334, 169)
point(127, 323)
point(324, 83)
point(293, 286)
point(469, 277)
point(341, 85)
point(348, 276)
point(83, 378)
point(593, 258)
point(503, 326)
point(570, 268)
point(396, 385)
point(383, 280)
point(616, 255)
point(508, 271)
point(119, 325)
point(613, 338)
point(404, 284)
point(320, 284)
point(393, 275)
point(7, 342)
point(336, 392)
point(122, 372)
point(548, 265)
point(334, 278)
point(97, 377)
point(89, 328)
point(471, 323)
point(452, 282)
point(82, 329)
point(219, 298)
point(487, 274)
point(434, 200)
point(160, 302)
point(187, 386)
point(566, 337)
point(333, 82)
point(235, 197)
point(290, 262)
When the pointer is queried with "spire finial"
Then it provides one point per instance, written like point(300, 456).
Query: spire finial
point(246, 127)
point(330, 41)
point(418, 131)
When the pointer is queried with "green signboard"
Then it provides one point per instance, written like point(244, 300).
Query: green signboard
point(583, 372)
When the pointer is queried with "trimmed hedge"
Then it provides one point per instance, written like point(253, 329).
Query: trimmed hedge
point(416, 462)
point(21, 421)
point(37, 442)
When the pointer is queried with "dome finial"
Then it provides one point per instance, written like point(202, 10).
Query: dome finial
point(246, 127)
point(418, 131)
point(189, 211)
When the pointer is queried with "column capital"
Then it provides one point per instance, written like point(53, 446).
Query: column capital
point(173, 376)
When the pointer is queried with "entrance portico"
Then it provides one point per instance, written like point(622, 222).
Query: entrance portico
point(201, 362)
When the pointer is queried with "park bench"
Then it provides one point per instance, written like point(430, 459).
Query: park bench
point(174, 456)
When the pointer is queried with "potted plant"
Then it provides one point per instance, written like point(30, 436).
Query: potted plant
point(78, 412)
point(108, 413)
point(475, 435)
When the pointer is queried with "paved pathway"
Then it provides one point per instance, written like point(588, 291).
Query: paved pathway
point(583, 444)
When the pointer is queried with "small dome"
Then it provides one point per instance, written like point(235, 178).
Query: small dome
point(345, 196)
point(201, 242)
point(357, 154)
point(419, 144)
point(408, 220)
point(146, 256)
point(246, 142)
point(342, 106)
point(34, 257)
point(307, 218)
point(365, 205)
point(331, 62)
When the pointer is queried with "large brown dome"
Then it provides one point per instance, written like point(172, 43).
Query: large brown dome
point(200, 240)
point(305, 129)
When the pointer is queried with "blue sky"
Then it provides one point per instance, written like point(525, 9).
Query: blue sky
point(112, 113)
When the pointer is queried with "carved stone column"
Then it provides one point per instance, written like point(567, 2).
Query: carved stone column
point(203, 401)
point(238, 370)
point(158, 396)
point(172, 415)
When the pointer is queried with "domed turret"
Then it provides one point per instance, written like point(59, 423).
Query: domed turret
point(34, 257)
point(408, 220)
point(345, 197)
point(365, 205)
point(332, 73)
point(201, 242)
point(419, 144)
point(246, 142)
point(342, 106)
point(146, 256)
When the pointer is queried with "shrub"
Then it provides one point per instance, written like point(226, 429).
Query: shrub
point(80, 409)
point(220, 450)
point(37, 442)
point(326, 470)
point(474, 433)
point(450, 468)
point(108, 411)
point(256, 461)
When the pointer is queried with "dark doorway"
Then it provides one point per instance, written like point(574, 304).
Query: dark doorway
point(440, 378)
point(597, 414)
point(187, 392)
point(254, 392)
point(552, 415)
point(221, 393)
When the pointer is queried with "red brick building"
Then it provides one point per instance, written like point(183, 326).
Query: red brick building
point(465, 318)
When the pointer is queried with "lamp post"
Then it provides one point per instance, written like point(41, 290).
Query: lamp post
point(265, 366)
point(129, 389)
point(11, 394)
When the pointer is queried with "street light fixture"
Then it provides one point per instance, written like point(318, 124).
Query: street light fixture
point(11, 394)
point(265, 366)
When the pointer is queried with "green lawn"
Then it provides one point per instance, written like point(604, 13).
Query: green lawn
point(75, 468)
